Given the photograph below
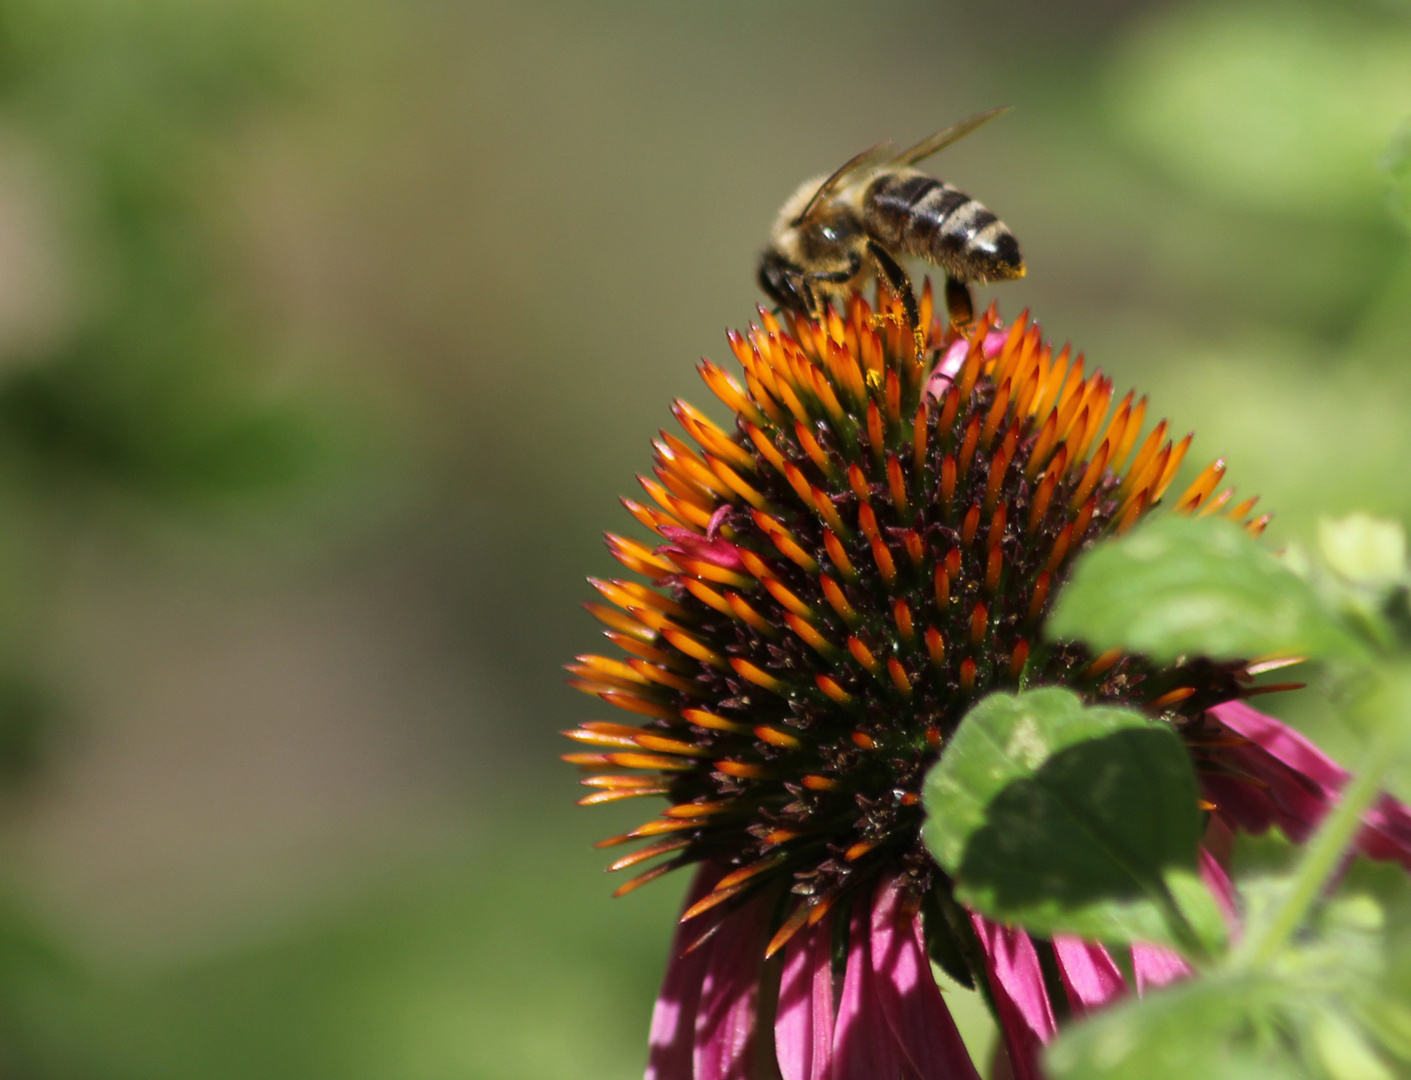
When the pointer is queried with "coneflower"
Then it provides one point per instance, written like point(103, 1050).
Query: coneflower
point(833, 584)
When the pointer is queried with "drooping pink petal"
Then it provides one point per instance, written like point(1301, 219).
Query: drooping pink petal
point(726, 1016)
point(1282, 742)
point(944, 373)
point(1155, 966)
point(717, 518)
point(908, 995)
point(1090, 975)
point(1301, 785)
point(673, 1036)
point(1017, 981)
point(864, 1047)
point(1220, 886)
point(803, 1027)
point(693, 545)
point(1388, 832)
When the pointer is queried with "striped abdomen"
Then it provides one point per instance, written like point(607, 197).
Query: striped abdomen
point(915, 214)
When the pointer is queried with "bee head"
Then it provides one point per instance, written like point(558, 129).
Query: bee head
point(781, 281)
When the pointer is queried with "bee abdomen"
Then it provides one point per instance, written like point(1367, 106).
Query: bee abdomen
point(921, 216)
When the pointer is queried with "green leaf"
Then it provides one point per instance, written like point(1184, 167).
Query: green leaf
point(1320, 1008)
point(1216, 1028)
point(1181, 587)
point(1397, 164)
point(1069, 819)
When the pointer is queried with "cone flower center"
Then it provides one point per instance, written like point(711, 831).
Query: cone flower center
point(838, 579)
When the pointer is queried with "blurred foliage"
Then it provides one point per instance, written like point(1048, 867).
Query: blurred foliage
point(510, 962)
point(1277, 108)
point(155, 385)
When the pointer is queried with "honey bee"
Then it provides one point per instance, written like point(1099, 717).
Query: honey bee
point(835, 233)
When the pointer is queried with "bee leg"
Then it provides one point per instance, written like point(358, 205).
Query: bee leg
point(818, 298)
point(900, 284)
point(959, 302)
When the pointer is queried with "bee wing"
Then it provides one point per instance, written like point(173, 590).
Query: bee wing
point(868, 158)
point(939, 141)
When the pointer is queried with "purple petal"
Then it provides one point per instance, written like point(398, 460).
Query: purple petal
point(1388, 832)
point(725, 1018)
point(908, 995)
point(716, 519)
point(1281, 742)
point(1017, 981)
point(943, 374)
point(803, 1028)
point(1155, 966)
point(1303, 783)
point(1090, 975)
point(674, 1017)
point(863, 1045)
point(1220, 885)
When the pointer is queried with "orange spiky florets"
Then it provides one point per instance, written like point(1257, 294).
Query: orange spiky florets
point(839, 579)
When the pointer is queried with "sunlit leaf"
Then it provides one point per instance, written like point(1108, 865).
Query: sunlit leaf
point(1209, 1028)
point(1181, 587)
point(1070, 819)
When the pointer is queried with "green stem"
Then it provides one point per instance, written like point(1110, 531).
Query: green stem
point(1188, 941)
point(1327, 848)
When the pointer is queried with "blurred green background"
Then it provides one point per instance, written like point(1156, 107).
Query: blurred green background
point(329, 334)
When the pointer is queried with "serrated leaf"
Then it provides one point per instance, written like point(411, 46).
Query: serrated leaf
point(1183, 587)
point(1068, 819)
